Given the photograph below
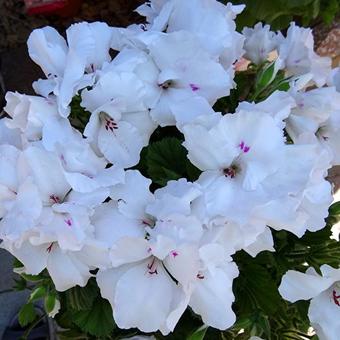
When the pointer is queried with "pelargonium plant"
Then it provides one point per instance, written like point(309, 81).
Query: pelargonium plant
point(169, 179)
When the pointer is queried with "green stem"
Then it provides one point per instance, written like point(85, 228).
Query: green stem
point(30, 328)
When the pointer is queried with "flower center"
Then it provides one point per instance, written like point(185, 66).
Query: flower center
point(232, 171)
point(166, 84)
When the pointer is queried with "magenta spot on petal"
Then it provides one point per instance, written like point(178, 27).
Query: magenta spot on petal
point(194, 87)
point(68, 222)
point(149, 250)
point(174, 253)
point(245, 148)
point(200, 276)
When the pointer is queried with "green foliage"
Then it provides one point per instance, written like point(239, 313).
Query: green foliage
point(97, 320)
point(78, 116)
point(279, 13)
point(199, 333)
point(50, 301)
point(166, 160)
point(82, 298)
point(27, 314)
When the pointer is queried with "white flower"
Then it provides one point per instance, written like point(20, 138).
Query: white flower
point(9, 136)
point(66, 268)
point(279, 105)
point(317, 112)
point(260, 41)
point(82, 168)
point(324, 292)
point(68, 66)
point(158, 258)
point(120, 125)
point(244, 146)
point(212, 22)
point(29, 114)
point(21, 204)
point(189, 79)
point(299, 194)
point(297, 53)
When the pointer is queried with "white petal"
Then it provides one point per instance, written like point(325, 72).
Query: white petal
point(213, 297)
point(110, 225)
point(300, 286)
point(133, 195)
point(66, 270)
point(143, 300)
point(128, 250)
point(48, 49)
point(324, 315)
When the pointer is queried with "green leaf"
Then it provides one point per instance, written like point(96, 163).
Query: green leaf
point(167, 160)
point(255, 288)
point(97, 321)
point(266, 76)
point(80, 298)
point(199, 334)
point(32, 278)
point(334, 209)
point(27, 314)
point(20, 284)
point(49, 302)
point(38, 293)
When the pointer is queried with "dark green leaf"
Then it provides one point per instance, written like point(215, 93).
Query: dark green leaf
point(27, 314)
point(255, 288)
point(80, 298)
point(334, 209)
point(167, 160)
point(97, 321)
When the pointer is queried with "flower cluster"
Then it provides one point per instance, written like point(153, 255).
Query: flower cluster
point(72, 201)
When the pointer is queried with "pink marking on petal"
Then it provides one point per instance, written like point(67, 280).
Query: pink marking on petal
point(63, 160)
point(149, 250)
point(246, 149)
point(55, 199)
point(194, 87)
point(49, 248)
point(241, 145)
point(110, 124)
point(152, 267)
point(336, 298)
point(200, 276)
